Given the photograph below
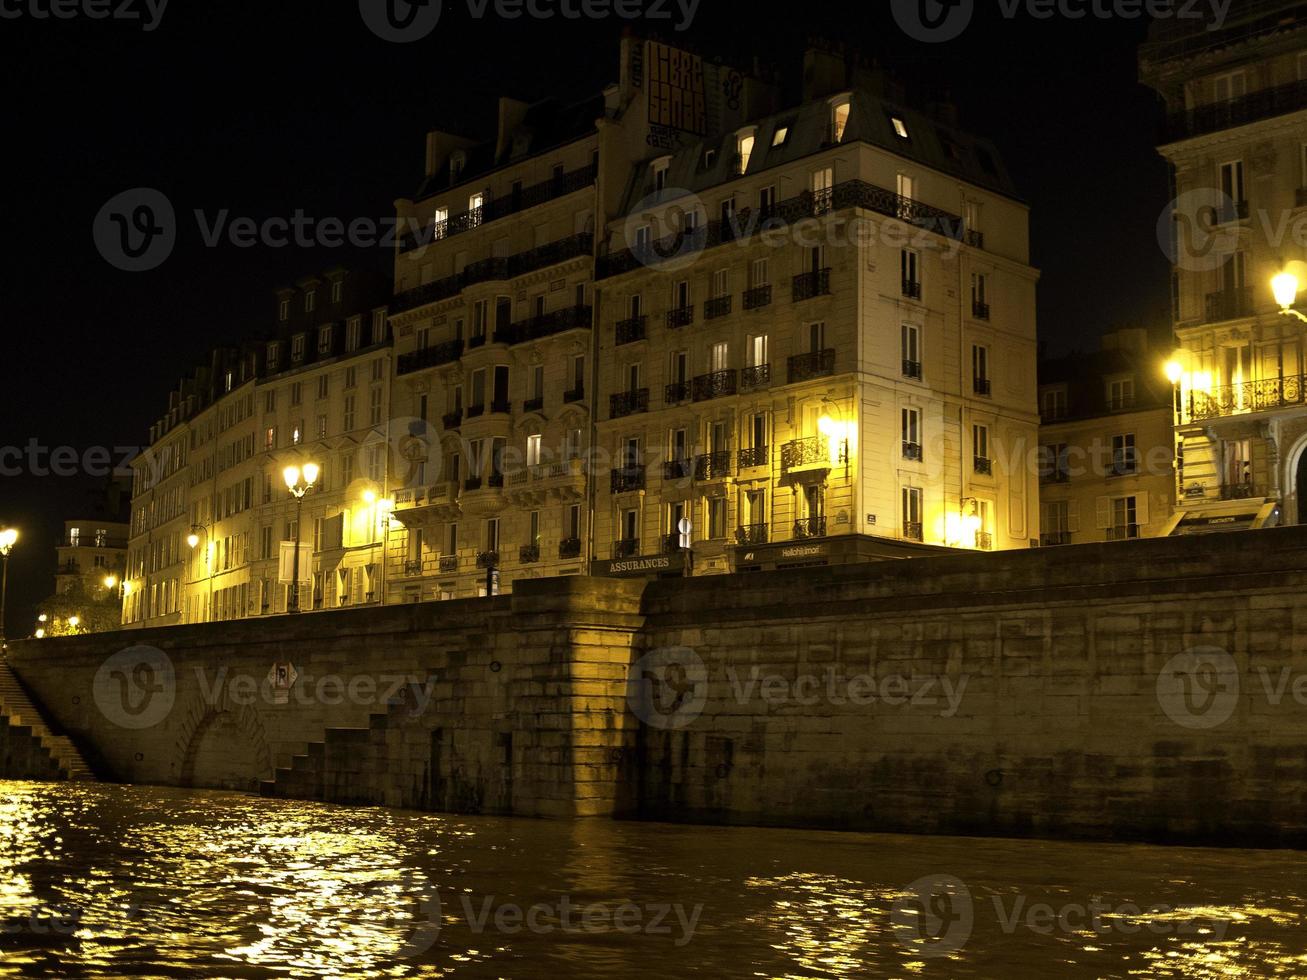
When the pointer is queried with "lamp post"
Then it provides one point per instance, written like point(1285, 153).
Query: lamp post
point(298, 482)
point(7, 539)
point(1285, 288)
point(192, 540)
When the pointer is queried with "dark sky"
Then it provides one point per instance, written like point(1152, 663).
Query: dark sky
point(268, 107)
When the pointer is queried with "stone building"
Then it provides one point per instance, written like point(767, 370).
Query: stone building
point(210, 509)
point(1107, 442)
point(1236, 139)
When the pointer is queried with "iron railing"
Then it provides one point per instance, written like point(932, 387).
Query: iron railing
point(757, 297)
point(627, 479)
point(810, 284)
point(449, 563)
point(569, 548)
point(805, 452)
point(548, 324)
point(716, 307)
point(712, 466)
point(574, 395)
point(715, 385)
point(629, 331)
point(1123, 532)
point(528, 554)
point(810, 527)
point(434, 356)
point(981, 386)
point(755, 376)
point(1216, 116)
point(535, 404)
point(913, 531)
point(681, 317)
point(754, 456)
point(979, 310)
point(677, 391)
point(487, 559)
point(1229, 304)
point(677, 469)
point(751, 534)
point(912, 288)
point(983, 465)
point(626, 548)
point(912, 450)
point(1053, 539)
point(624, 403)
point(817, 364)
point(912, 369)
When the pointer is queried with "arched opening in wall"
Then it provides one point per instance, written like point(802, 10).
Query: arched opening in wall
point(1298, 488)
point(224, 753)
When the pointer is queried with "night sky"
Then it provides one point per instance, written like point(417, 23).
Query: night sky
point(266, 107)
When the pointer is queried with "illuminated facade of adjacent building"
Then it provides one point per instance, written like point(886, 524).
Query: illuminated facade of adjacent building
point(210, 510)
point(1236, 140)
point(1107, 447)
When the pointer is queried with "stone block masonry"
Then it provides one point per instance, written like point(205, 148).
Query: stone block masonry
point(1144, 689)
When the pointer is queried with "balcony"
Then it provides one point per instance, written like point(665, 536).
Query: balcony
point(1232, 212)
point(1229, 304)
point(473, 484)
point(976, 239)
point(718, 306)
point(487, 559)
point(754, 456)
point(1238, 491)
point(984, 541)
point(574, 395)
point(476, 340)
point(569, 548)
point(912, 369)
point(449, 563)
point(434, 356)
point(528, 554)
point(981, 386)
point(814, 451)
point(983, 465)
point(626, 548)
point(810, 284)
point(751, 534)
point(678, 469)
point(913, 531)
point(912, 288)
point(979, 310)
point(757, 297)
point(476, 411)
point(627, 479)
point(1263, 104)
point(624, 403)
point(1123, 532)
point(671, 544)
point(629, 331)
point(501, 406)
point(712, 466)
point(1058, 475)
point(817, 364)
point(912, 451)
point(715, 385)
point(1054, 539)
point(548, 325)
point(536, 404)
point(810, 527)
point(678, 318)
point(755, 377)
point(413, 569)
point(677, 391)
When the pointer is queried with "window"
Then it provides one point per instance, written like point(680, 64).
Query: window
point(980, 449)
point(578, 374)
point(911, 503)
point(900, 127)
point(910, 268)
point(474, 203)
point(538, 381)
point(717, 518)
point(660, 167)
point(1123, 518)
point(323, 385)
point(839, 120)
point(1121, 394)
point(439, 223)
point(758, 274)
point(353, 333)
point(766, 199)
point(378, 326)
point(1052, 404)
point(822, 182)
point(680, 367)
point(689, 220)
point(297, 347)
point(910, 424)
point(283, 310)
point(337, 290)
point(756, 351)
point(348, 421)
point(643, 234)
point(907, 187)
point(297, 433)
point(1123, 454)
point(351, 377)
point(1236, 459)
point(274, 355)
point(719, 357)
point(269, 401)
point(270, 437)
point(480, 318)
point(1229, 87)
point(744, 150)
point(1232, 182)
point(572, 522)
point(681, 295)
point(910, 341)
point(310, 300)
point(781, 135)
point(533, 443)
point(631, 525)
point(817, 337)
point(322, 427)
point(979, 295)
point(297, 393)
point(721, 283)
point(980, 369)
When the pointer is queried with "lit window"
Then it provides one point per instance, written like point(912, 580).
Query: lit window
point(440, 223)
point(900, 127)
point(781, 135)
point(839, 120)
point(744, 150)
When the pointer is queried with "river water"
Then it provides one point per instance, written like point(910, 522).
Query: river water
point(122, 881)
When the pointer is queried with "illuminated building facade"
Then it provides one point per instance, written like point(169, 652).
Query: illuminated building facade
point(1236, 140)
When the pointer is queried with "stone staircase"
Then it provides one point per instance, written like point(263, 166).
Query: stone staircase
point(343, 768)
point(17, 709)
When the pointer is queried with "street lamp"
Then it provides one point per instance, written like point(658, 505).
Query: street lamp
point(298, 482)
point(7, 539)
point(110, 581)
point(193, 540)
point(1284, 286)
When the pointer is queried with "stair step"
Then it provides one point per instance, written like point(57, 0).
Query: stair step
point(20, 712)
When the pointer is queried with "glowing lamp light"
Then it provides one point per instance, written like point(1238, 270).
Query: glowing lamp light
point(74, 621)
point(310, 473)
point(1173, 372)
point(291, 474)
point(1285, 288)
point(42, 618)
point(110, 581)
point(40, 633)
point(369, 497)
point(127, 588)
point(8, 537)
point(192, 539)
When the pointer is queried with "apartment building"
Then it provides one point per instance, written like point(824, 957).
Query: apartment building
point(817, 341)
point(1107, 442)
point(211, 515)
point(1236, 140)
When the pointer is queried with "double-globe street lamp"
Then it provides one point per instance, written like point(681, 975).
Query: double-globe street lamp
point(299, 481)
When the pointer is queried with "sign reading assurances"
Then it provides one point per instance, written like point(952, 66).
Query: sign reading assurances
point(676, 92)
point(646, 565)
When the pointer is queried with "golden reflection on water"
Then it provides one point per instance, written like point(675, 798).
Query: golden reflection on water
point(109, 881)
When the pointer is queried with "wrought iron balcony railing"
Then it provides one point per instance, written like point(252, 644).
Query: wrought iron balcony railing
point(624, 403)
point(1238, 491)
point(449, 563)
point(979, 310)
point(715, 385)
point(574, 395)
point(487, 559)
point(1263, 104)
point(810, 527)
point(547, 325)
point(912, 369)
point(682, 317)
point(810, 284)
point(535, 404)
point(712, 466)
point(983, 465)
point(981, 386)
point(1229, 304)
point(913, 531)
point(757, 297)
point(501, 406)
point(754, 456)
point(984, 541)
point(476, 411)
point(1123, 532)
point(627, 479)
point(528, 554)
point(472, 483)
point(412, 568)
point(1053, 539)
point(678, 469)
point(817, 364)
point(805, 452)
point(626, 548)
point(751, 534)
point(755, 376)
point(976, 239)
point(670, 544)
point(718, 306)
point(629, 331)
point(912, 450)
point(569, 548)
point(1058, 475)
point(677, 391)
point(434, 356)
point(912, 288)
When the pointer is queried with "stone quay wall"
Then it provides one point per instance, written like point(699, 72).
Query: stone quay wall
point(1145, 689)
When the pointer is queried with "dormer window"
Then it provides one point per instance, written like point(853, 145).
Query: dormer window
point(310, 300)
point(283, 310)
point(781, 135)
point(297, 347)
point(839, 119)
point(353, 331)
point(337, 290)
point(324, 340)
point(709, 158)
point(456, 162)
point(274, 353)
point(900, 127)
point(660, 168)
point(642, 237)
point(743, 150)
point(378, 326)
